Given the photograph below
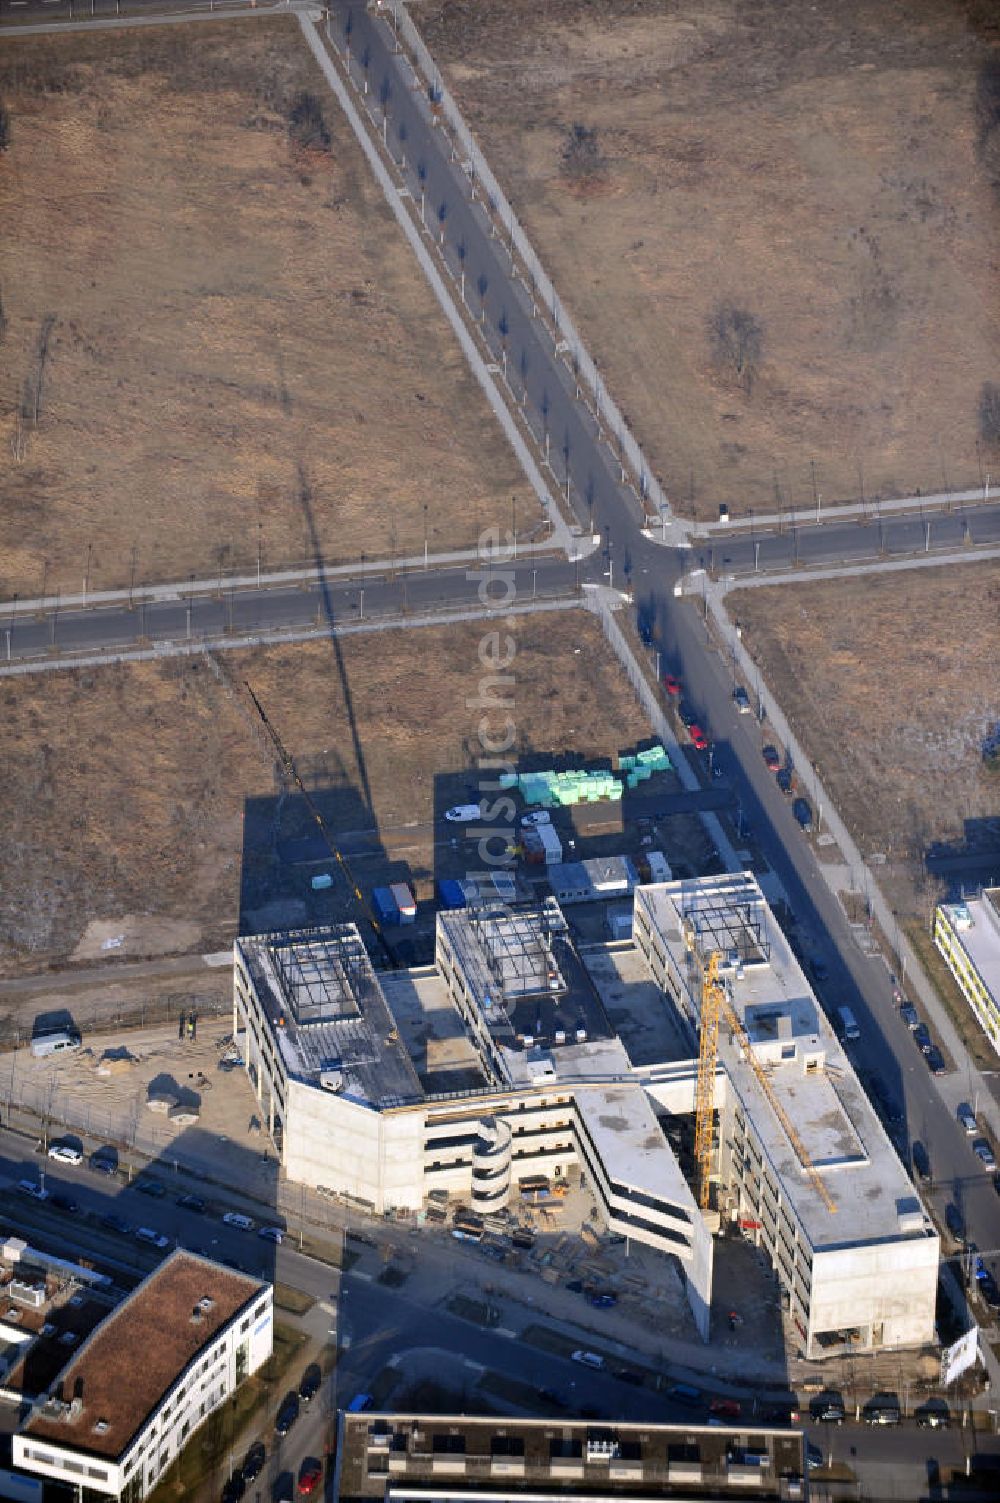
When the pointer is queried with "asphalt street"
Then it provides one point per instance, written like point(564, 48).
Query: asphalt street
point(849, 540)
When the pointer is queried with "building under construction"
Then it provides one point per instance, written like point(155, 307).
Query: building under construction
point(501, 1062)
point(794, 1152)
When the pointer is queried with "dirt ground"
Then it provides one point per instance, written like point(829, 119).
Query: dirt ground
point(149, 792)
point(773, 222)
point(892, 683)
point(215, 340)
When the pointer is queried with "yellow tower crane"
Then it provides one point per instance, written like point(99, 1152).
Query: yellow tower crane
point(714, 1004)
point(712, 1000)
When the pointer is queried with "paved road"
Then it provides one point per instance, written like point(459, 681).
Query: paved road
point(849, 540)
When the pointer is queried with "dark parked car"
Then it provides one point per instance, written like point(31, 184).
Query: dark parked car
point(934, 1415)
point(629, 1375)
point(772, 759)
point(65, 1203)
point(287, 1414)
point(150, 1187)
point(687, 712)
point(115, 1224)
point(310, 1385)
point(909, 1015)
point(105, 1161)
point(921, 1160)
point(191, 1203)
point(783, 778)
point(954, 1220)
point(602, 1301)
point(253, 1463)
point(882, 1409)
point(827, 1409)
point(234, 1489)
point(935, 1061)
point(922, 1037)
point(802, 809)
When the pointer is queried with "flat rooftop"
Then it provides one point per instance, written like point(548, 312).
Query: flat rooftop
point(977, 923)
point(138, 1352)
point(433, 1031)
point(328, 1014)
point(649, 1026)
point(448, 1456)
point(525, 976)
point(622, 1126)
point(803, 1062)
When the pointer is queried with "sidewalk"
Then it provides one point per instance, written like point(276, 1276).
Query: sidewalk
point(841, 510)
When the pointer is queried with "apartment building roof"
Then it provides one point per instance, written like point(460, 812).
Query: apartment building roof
point(124, 1369)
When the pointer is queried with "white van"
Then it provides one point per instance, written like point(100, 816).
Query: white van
point(589, 1359)
point(848, 1024)
point(54, 1043)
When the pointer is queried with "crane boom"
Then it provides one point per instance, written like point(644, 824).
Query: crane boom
point(292, 772)
point(815, 1178)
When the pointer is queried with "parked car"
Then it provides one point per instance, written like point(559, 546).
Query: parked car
point(954, 1221)
point(785, 779)
point(287, 1414)
point(254, 1460)
point(535, 818)
point(909, 1015)
point(272, 1234)
point(65, 1203)
point(588, 1359)
point(698, 738)
point(984, 1153)
point(191, 1203)
point(882, 1409)
point(32, 1188)
point(827, 1409)
point(601, 1300)
point(802, 809)
point(921, 1160)
point(115, 1224)
point(234, 1488)
point(671, 684)
point(65, 1153)
point(151, 1238)
point(237, 1219)
point(814, 1457)
point(150, 1187)
point(772, 759)
point(726, 1408)
point(934, 1415)
point(629, 1375)
point(687, 713)
point(104, 1161)
point(935, 1061)
point(742, 700)
point(922, 1037)
point(310, 1385)
point(310, 1475)
point(685, 1393)
point(967, 1117)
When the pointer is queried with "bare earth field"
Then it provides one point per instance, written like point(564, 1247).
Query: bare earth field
point(221, 332)
point(774, 223)
point(892, 683)
point(136, 796)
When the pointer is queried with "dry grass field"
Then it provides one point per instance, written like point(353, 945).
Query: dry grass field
point(126, 789)
point(210, 331)
point(892, 683)
point(774, 222)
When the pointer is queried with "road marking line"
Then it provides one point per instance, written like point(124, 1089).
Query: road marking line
point(362, 1275)
point(474, 1367)
point(505, 1331)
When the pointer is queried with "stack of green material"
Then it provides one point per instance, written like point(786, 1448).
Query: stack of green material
point(643, 764)
point(575, 786)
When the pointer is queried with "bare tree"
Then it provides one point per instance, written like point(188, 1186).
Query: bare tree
point(737, 341)
point(989, 414)
point(4, 127)
point(581, 157)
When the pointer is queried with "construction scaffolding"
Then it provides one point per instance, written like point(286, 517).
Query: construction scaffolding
point(712, 998)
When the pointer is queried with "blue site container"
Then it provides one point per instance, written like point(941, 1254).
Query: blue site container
point(451, 893)
point(384, 905)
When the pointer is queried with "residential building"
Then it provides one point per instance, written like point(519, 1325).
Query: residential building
point(453, 1457)
point(135, 1390)
point(968, 936)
